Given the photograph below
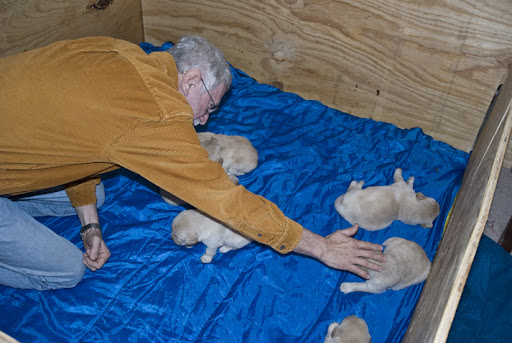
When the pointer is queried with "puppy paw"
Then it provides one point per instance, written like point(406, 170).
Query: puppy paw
point(206, 259)
point(224, 249)
point(345, 287)
point(233, 179)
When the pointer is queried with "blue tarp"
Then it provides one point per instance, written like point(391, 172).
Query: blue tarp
point(152, 290)
point(484, 311)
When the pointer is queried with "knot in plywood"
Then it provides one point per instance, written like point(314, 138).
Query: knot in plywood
point(276, 82)
point(279, 55)
point(98, 4)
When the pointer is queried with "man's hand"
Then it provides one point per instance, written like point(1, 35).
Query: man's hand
point(96, 251)
point(340, 251)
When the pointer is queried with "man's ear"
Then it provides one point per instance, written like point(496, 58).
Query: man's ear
point(190, 79)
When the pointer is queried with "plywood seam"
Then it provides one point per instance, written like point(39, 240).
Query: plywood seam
point(447, 94)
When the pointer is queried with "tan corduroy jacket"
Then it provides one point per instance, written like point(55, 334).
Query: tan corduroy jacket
point(75, 109)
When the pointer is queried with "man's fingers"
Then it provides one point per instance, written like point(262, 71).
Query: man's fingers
point(363, 262)
point(102, 256)
point(95, 247)
point(373, 255)
point(351, 230)
point(369, 246)
point(88, 262)
point(359, 271)
point(342, 234)
point(93, 264)
point(358, 267)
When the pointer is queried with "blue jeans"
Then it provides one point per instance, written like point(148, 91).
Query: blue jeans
point(31, 255)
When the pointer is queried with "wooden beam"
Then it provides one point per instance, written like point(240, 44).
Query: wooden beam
point(437, 305)
point(5, 338)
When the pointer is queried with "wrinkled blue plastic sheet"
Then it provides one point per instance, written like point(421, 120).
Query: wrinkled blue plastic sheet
point(483, 314)
point(152, 290)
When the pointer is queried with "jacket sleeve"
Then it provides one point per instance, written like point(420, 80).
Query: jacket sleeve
point(169, 155)
point(83, 193)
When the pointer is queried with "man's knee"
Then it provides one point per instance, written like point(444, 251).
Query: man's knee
point(68, 275)
point(73, 275)
point(42, 281)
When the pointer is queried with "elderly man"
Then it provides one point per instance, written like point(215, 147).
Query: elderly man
point(76, 109)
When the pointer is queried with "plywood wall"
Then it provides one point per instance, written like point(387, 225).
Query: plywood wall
point(433, 64)
point(31, 24)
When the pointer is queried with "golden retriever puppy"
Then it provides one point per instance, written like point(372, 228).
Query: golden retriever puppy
point(407, 264)
point(375, 208)
point(351, 330)
point(192, 226)
point(236, 154)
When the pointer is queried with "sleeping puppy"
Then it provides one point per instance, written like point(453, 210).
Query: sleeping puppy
point(351, 330)
point(191, 227)
point(236, 154)
point(407, 264)
point(375, 208)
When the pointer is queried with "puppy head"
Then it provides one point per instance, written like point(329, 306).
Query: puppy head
point(184, 229)
point(185, 238)
point(428, 209)
point(351, 329)
point(212, 146)
point(240, 156)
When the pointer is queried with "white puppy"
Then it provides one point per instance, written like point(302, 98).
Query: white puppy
point(375, 208)
point(236, 154)
point(351, 330)
point(191, 227)
point(407, 264)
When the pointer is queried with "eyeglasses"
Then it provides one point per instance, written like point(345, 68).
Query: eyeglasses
point(213, 107)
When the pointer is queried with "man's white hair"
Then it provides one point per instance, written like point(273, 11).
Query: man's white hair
point(197, 52)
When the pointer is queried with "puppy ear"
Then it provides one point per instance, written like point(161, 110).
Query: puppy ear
point(397, 177)
point(193, 238)
point(352, 185)
point(410, 182)
point(337, 331)
point(331, 328)
point(420, 196)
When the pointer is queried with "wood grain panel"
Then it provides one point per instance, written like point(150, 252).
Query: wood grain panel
point(31, 24)
point(441, 293)
point(431, 64)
